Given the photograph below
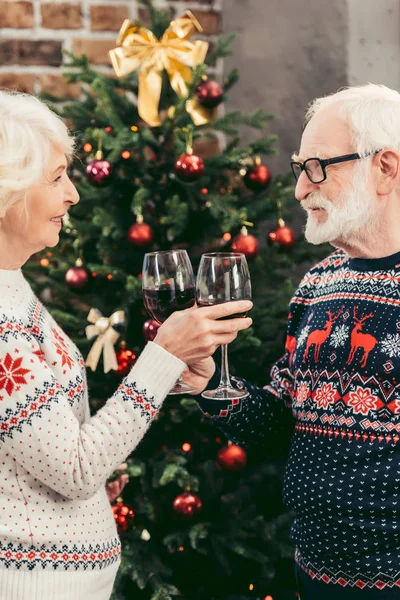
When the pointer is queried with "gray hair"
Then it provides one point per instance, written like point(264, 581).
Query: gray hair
point(28, 132)
point(373, 114)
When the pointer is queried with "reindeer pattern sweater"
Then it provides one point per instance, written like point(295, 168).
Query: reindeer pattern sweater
point(336, 395)
point(58, 538)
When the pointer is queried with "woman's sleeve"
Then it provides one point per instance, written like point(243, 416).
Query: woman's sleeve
point(39, 429)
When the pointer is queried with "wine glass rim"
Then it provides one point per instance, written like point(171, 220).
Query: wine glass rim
point(156, 252)
point(223, 254)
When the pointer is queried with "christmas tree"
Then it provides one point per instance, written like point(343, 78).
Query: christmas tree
point(199, 518)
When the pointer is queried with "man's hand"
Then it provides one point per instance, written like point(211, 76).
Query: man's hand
point(114, 488)
point(199, 373)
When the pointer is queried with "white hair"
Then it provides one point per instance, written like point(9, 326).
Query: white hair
point(28, 132)
point(373, 114)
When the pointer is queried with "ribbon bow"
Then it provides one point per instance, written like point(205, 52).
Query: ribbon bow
point(139, 48)
point(106, 337)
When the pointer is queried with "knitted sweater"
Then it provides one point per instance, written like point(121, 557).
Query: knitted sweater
point(336, 394)
point(58, 538)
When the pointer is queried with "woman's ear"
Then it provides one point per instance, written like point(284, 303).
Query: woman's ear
point(388, 162)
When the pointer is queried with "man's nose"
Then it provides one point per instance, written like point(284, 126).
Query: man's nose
point(304, 187)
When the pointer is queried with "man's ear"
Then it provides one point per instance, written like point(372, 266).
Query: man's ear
point(388, 162)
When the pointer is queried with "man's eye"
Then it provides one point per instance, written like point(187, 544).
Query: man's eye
point(58, 178)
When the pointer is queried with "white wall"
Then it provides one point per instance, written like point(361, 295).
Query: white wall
point(288, 52)
point(291, 51)
point(374, 42)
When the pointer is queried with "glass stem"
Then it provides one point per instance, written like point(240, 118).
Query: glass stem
point(225, 381)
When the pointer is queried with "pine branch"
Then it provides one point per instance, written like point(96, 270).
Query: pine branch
point(83, 72)
point(231, 80)
point(175, 217)
point(166, 592)
point(234, 158)
point(160, 19)
point(229, 122)
point(224, 211)
point(102, 88)
point(221, 49)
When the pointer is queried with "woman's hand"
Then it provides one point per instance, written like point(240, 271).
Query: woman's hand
point(195, 333)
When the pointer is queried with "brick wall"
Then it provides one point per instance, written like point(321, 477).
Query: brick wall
point(33, 34)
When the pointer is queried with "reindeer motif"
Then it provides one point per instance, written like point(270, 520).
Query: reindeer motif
point(358, 339)
point(319, 336)
point(290, 346)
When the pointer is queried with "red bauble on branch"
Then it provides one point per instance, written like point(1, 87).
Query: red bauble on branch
point(77, 277)
point(282, 235)
point(150, 329)
point(257, 176)
point(140, 234)
point(125, 359)
point(189, 167)
point(209, 93)
point(187, 505)
point(246, 244)
point(232, 458)
point(99, 171)
point(123, 515)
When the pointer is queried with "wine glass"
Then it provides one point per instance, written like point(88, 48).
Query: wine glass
point(223, 277)
point(168, 285)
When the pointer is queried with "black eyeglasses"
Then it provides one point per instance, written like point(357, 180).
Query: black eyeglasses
point(315, 167)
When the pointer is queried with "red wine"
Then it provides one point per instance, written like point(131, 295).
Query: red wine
point(202, 303)
point(163, 302)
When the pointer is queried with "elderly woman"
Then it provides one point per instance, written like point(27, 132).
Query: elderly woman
point(58, 538)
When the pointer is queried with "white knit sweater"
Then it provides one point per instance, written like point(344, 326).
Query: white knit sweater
point(58, 538)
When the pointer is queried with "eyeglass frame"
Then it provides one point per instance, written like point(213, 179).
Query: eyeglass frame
point(324, 162)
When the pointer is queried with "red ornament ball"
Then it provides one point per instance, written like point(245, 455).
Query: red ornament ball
point(123, 516)
point(187, 505)
point(140, 234)
point(150, 329)
point(209, 93)
point(77, 277)
point(257, 178)
point(98, 172)
point(246, 244)
point(189, 167)
point(108, 129)
point(125, 359)
point(232, 458)
point(282, 235)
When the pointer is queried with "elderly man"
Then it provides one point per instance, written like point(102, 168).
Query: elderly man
point(336, 390)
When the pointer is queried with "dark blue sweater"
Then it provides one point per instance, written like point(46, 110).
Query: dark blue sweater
point(336, 393)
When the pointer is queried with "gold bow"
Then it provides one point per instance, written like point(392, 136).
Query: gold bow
point(139, 48)
point(106, 337)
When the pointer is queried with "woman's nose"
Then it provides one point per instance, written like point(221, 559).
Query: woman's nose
point(71, 193)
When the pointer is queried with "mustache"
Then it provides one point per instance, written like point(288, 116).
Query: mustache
point(315, 200)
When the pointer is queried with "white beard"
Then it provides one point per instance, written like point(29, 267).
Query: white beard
point(353, 215)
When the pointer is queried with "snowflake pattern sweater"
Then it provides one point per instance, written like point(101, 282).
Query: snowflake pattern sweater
point(336, 394)
point(58, 537)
